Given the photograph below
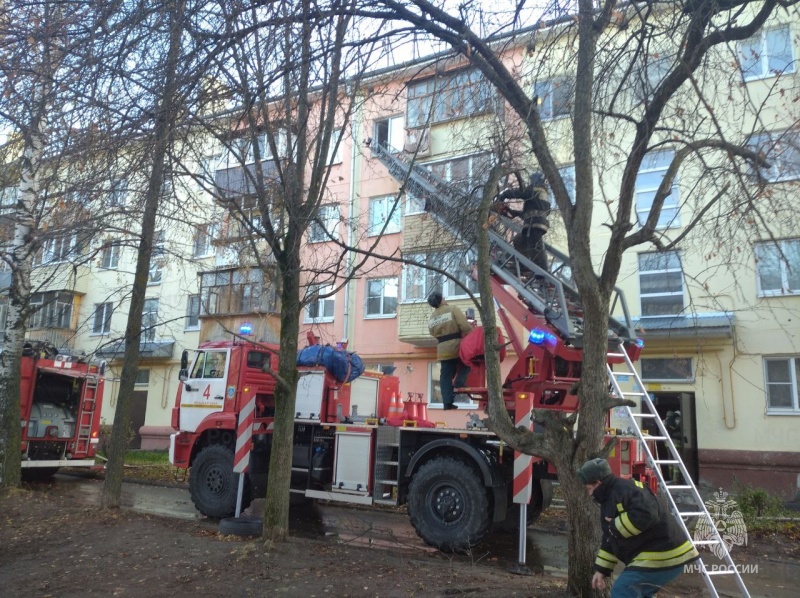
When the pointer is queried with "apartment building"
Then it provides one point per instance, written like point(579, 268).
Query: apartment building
point(720, 322)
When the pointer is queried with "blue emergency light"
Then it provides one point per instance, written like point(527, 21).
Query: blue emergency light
point(246, 329)
point(539, 337)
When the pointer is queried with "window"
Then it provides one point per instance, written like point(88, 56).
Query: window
point(767, 53)
point(149, 320)
point(782, 375)
point(55, 250)
point(142, 378)
point(419, 282)
point(335, 148)
point(117, 192)
point(434, 375)
point(448, 97)
point(384, 212)
point(156, 271)
point(651, 173)
point(52, 309)
point(778, 267)
point(323, 227)
point(193, 312)
point(320, 309)
point(782, 153)
point(555, 97)
point(381, 297)
point(203, 236)
point(678, 369)
point(110, 257)
point(467, 172)
point(210, 364)
point(660, 284)
point(650, 75)
point(236, 291)
point(568, 176)
point(389, 133)
point(101, 321)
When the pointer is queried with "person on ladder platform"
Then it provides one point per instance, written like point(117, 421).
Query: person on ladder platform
point(535, 210)
point(447, 325)
point(638, 530)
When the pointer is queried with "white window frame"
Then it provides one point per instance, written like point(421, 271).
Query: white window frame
point(793, 365)
point(321, 233)
point(459, 94)
point(149, 319)
point(335, 148)
point(379, 208)
point(322, 305)
point(395, 132)
point(57, 250)
point(647, 183)
point(193, 311)
point(106, 312)
point(660, 272)
point(674, 379)
point(787, 271)
point(382, 314)
point(756, 52)
point(429, 280)
point(568, 176)
point(546, 89)
point(203, 236)
point(53, 312)
point(778, 148)
point(110, 255)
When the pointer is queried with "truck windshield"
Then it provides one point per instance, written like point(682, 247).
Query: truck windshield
point(209, 364)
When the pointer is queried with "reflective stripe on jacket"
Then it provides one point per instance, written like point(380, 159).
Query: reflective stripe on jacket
point(641, 532)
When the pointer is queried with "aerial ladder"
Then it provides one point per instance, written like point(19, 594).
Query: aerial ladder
point(554, 296)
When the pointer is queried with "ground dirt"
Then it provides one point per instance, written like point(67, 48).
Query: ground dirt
point(51, 546)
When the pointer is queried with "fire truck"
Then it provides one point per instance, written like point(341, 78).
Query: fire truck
point(60, 401)
point(354, 444)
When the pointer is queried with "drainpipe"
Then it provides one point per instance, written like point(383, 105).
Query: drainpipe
point(352, 223)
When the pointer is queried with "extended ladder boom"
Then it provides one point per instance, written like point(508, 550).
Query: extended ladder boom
point(550, 293)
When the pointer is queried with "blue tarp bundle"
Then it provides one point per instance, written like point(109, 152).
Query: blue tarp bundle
point(343, 365)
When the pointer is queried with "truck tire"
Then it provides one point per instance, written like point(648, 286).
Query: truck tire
point(213, 485)
point(243, 526)
point(448, 505)
point(38, 474)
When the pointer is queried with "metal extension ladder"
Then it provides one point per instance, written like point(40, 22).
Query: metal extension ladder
point(87, 414)
point(698, 510)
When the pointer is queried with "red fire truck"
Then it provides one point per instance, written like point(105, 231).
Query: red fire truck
point(457, 483)
point(60, 401)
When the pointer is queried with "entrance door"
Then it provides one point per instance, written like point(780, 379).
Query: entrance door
point(138, 409)
point(689, 431)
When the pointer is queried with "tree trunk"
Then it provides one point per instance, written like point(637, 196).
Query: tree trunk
point(165, 121)
point(22, 251)
point(276, 506)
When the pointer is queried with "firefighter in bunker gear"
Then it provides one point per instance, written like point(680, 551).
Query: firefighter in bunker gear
point(447, 325)
point(637, 530)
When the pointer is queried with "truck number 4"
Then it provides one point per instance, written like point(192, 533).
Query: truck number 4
point(207, 392)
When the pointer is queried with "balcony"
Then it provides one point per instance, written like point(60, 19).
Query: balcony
point(62, 276)
point(61, 338)
point(241, 180)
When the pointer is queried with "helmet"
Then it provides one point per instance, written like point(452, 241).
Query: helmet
point(594, 470)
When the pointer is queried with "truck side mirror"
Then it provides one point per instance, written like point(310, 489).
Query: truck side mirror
point(183, 375)
point(184, 361)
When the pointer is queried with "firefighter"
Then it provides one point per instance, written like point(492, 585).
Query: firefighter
point(535, 209)
point(637, 530)
point(447, 325)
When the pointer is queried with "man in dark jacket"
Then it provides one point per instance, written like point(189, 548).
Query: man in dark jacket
point(535, 209)
point(637, 530)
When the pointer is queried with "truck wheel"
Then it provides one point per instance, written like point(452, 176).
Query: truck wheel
point(38, 474)
point(448, 505)
point(213, 485)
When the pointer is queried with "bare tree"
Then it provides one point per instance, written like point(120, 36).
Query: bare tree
point(674, 53)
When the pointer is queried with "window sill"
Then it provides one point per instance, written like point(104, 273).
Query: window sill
point(98, 334)
point(192, 329)
point(386, 232)
point(764, 76)
point(773, 294)
point(318, 321)
point(790, 412)
point(380, 316)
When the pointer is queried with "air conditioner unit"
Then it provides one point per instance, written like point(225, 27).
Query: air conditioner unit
point(418, 142)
